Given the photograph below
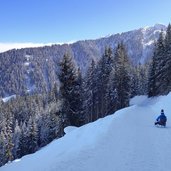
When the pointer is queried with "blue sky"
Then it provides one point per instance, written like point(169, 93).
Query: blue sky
point(46, 21)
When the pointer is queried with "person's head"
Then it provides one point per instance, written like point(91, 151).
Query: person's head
point(162, 111)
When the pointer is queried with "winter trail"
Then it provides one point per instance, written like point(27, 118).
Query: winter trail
point(133, 143)
point(125, 141)
point(141, 146)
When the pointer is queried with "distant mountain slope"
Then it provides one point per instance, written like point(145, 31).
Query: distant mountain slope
point(34, 69)
point(139, 42)
point(125, 141)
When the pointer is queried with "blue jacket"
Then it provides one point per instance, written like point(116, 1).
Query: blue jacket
point(162, 117)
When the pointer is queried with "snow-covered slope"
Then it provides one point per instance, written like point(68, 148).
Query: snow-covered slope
point(125, 141)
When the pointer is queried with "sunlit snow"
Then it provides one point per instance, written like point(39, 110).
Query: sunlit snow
point(124, 141)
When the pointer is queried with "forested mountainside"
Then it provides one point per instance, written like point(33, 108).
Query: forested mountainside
point(30, 122)
point(36, 69)
point(106, 87)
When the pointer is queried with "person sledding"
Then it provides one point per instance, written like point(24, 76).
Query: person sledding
point(161, 120)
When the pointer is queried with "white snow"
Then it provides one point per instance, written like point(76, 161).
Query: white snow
point(28, 57)
point(31, 88)
point(69, 129)
point(149, 32)
point(7, 98)
point(28, 73)
point(26, 63)
point(149, 43)
point(124, 141)
point(146, 28)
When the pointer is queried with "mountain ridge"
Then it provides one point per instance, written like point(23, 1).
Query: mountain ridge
point(39, 74)
point(39, 45)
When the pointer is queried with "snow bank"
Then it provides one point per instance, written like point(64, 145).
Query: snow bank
point(138, 100)
point(69, 129)
point(163, 102)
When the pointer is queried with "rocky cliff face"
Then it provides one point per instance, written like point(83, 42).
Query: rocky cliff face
point(34, 69)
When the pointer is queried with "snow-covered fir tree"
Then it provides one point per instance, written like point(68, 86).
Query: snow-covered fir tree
point(16, 139)
point(70, 90)
point(22, 146)
point(139, 79)
point(32, 135)
point(8, 132)
point(166, 64)
point(2, 148)
point(104, 69)
point(122, 77)
point(156, 68)
point(78, 103)
point(160, 73)
point(90, 93)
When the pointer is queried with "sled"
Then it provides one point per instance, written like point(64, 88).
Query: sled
point(162, 124)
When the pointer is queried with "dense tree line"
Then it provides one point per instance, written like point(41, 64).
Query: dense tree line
point(111, 82)
point(107, 84)
point(29, 122)
point(160, 68)
point(21, 72)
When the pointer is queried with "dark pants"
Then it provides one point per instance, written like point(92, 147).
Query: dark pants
point(160, 123)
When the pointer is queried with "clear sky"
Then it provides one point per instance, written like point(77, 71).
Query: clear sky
point(46, 21)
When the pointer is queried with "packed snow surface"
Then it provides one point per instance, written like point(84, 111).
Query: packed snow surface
point(124, 141)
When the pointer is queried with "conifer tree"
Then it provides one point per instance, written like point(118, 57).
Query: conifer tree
point(32, 135)
point(2, 149)
point(152, 78)
point(167, 62)
point(122, 77)
point(77, 104)
point(16, 139)
point(157, 70)
point(8, 131)
point(111, 94)
point(104, 69)
point(90, 93)
point(142, 79)
point(23, 140)
point(69, 89)
point(134, 81)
